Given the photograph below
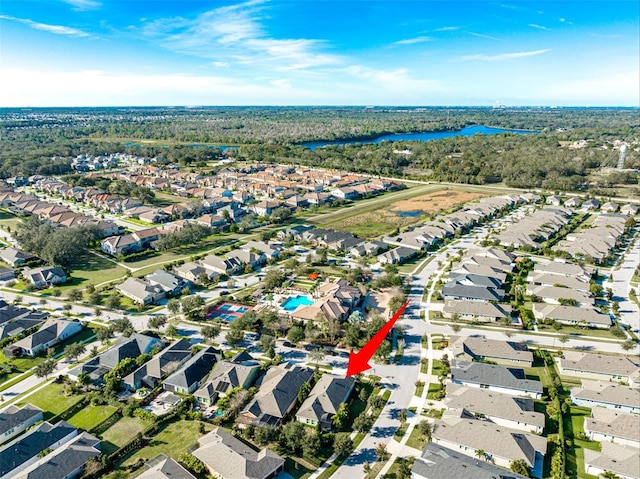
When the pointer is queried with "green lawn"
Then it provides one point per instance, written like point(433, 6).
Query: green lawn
point(419, 389)
point(121, 433)
point(91, 416)
point(573, 426)
point(51, 400)
point(296, 469)
point(573, 330)
point(9, 220)
point(433, 391)
point(356, 406)
point(172, 440)
point(416, 440)
point(399, 434)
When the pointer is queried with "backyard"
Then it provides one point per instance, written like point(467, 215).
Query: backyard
point(121, 433)
point(91, 416)
point(52, 400)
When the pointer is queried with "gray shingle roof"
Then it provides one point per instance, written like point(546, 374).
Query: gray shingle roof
point(167, 468)
point(325, 397)
point(194, 369)
point(438, 462)
point(14, 416)
point(462, 291)
point(492, 375)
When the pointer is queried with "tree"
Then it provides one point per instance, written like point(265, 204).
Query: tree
point(266, 344)
point(291, 436)
point(95, 298)
point(273, 278)
point(74, 295)
point(402, 415)
point(424, 427)
point(295, 334)
point(342, 445)
point(210, 331)
point(317, 355)
point(113, 301)
point(404, 467)
point(563, 338)
point(381, 451)
point(173, 305)
point(171, 330)
point(609, 475)
point(455, 327)
point(193, 307)
point(628, 345)
point(311, 443)
point(366, 468)
point(481, 454)
point(341, 415)
point(362, 423)
point(157, 322)
point(73, 350)
point(519, 466)
point(45, 368)
point(104, 334)
point(234, 336)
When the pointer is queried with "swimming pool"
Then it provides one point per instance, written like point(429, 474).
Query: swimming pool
point(291, 303)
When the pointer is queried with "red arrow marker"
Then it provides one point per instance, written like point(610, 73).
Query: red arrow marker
point(359, 361)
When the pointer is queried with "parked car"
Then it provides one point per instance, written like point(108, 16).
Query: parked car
point(287, 344)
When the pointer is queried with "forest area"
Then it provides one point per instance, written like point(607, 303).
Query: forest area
point(44, 141)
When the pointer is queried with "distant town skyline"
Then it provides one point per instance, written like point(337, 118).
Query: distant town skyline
point(260, 52)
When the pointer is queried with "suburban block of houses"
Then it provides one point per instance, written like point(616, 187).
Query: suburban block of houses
point(609, 425)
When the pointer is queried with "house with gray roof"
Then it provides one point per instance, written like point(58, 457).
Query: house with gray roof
point(187, 379)
point(500, 444)
point(469, 279)
point(556, 294)
point(14, 256)
point(507, 380)
point(476, 311)
point(45, 276)
point(141, 291)
point(170, 283)
point(220, 265)
point(66, 462)
point(506, 353)
point(51, 333)
point(572, 315)
point(609, 425)
point(439, 462)
point(240, 371)
point(161, 365)
point(277, 396)
point(130, 347)
point(559, 268)
point(596, 366)
point(163, 467)
point(23, 451)
point(397, 255)
point(227, 457)
point(615, 458)
point(606, 394)
point(536, 279)
point(324, 400)
point(503, 409)
point(15, 420)
point(472, 293)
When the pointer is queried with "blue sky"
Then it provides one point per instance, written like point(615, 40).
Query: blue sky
point(314, 52)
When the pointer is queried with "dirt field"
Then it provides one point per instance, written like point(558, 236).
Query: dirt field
point(388, 218)
point(434, 202)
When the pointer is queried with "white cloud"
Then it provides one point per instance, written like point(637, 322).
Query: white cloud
point(235, 34)
point(539, 27)
point(220, 64)
point(411, 41)
point(446, 29)
point(57, 29)
point(83, 4)
point(605, 35)
point(503, 56)
point(480, 35)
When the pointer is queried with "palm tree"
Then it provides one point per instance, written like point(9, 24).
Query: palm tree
point(481, 454)
point(366, 468)
point(609, 475)
point(317, 355)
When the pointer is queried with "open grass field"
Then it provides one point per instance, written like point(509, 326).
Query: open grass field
point(121, 432)
point(51, 400)
point(399, 212)
point(9, 220)
point(172, 440)
point(91, 416)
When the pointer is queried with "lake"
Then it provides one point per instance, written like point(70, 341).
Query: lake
point(425, 136)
